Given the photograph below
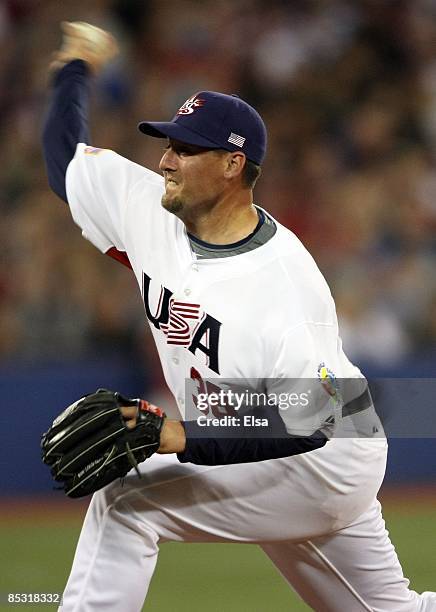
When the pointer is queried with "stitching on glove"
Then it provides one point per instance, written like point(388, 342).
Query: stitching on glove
point(76, 429)
point(115, 433)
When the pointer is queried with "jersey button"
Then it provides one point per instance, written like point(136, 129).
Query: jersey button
point(176, 360)
point(187, 292)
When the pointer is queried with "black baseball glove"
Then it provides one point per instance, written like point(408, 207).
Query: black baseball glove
point(89, 444)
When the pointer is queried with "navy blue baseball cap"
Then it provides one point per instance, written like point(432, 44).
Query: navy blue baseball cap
point(215, 121)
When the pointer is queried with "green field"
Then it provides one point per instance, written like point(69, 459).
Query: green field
point(37, 549)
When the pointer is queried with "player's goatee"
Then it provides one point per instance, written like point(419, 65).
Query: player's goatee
point(173, 205)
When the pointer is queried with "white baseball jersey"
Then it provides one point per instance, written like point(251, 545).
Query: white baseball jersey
point(265, 315)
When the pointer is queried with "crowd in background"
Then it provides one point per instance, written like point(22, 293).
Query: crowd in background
point(348, 92)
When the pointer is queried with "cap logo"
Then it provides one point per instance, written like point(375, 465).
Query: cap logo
point(236, 139)
point(190, 105)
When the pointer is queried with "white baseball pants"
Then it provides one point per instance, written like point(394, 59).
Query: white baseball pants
point(316, 516)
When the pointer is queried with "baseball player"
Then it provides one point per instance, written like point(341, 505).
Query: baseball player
point(229, 294)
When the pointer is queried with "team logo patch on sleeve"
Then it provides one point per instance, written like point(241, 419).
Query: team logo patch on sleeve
point(92, 150)
point(328, 380)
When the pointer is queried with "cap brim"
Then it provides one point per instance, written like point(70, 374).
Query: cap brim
point(171, 129)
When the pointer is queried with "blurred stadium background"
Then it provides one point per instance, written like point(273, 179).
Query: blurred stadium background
point(348, 91)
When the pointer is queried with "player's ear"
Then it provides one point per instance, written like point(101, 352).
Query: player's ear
point(235, 163)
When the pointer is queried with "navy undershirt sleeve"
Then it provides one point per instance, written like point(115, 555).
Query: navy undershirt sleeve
point(66, 123)
point(242, 444)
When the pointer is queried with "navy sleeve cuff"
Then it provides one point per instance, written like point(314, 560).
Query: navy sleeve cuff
point(77, 67)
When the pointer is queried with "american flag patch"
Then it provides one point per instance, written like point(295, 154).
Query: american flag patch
point(177, 329)
point(236, 139)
